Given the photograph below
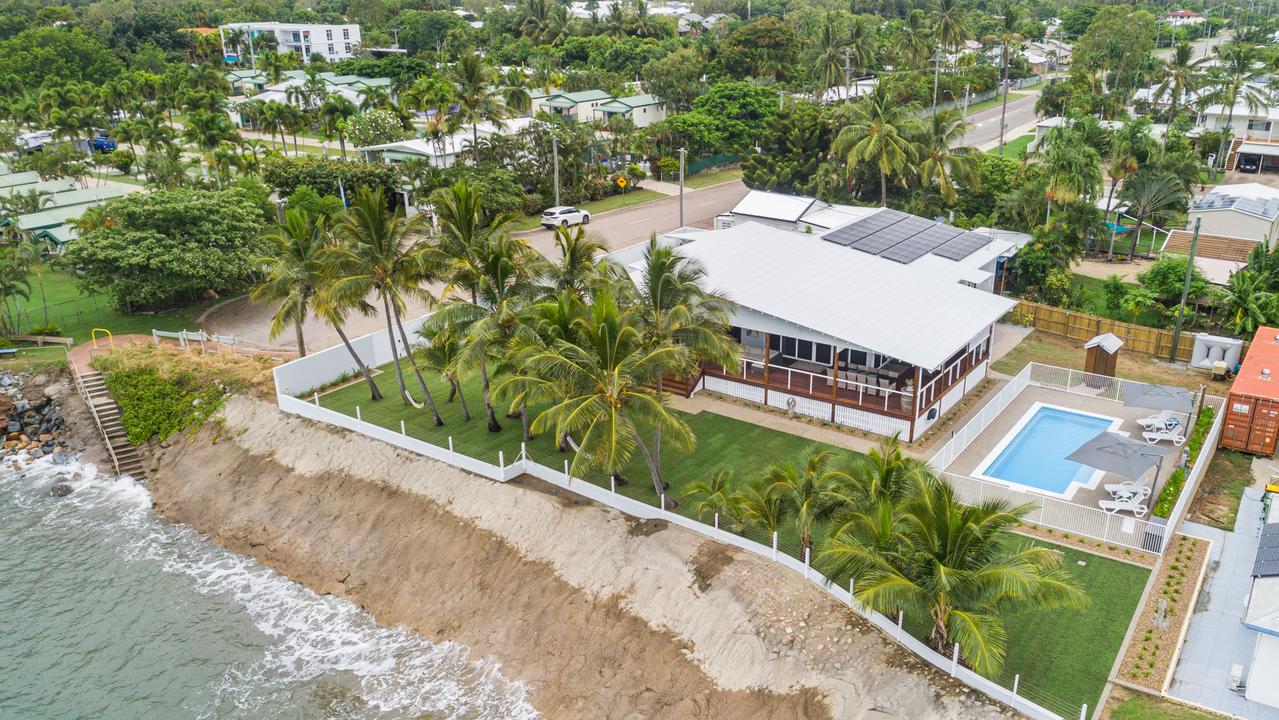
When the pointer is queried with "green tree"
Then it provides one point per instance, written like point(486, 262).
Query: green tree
point(675, 78)
point(373, 127)
point(477, 95)
point(763, 48)
point(943, 162)
point(294, 271)
point(806, 492)
point(1151, 195)
point(793, 144)
point(1245, 303)
point(1167, 276)
point(161, 248)
point(878, 135)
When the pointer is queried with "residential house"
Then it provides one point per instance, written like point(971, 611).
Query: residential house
point(333, 42)
point(1179, 18)
point(441, 152)
point(1245, 210)
point(643, 110)
point(579, 106)
point(355, 88)
point(882, 323)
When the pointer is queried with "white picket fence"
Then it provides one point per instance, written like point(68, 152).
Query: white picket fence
point(303, 375)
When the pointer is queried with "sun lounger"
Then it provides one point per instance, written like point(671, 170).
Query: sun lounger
point(1174, 435)
point(1163, 420)
point(1128, 490)
point(1136, 507)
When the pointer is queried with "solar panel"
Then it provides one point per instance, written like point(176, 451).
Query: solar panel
point(921, 244)
point(852, 232)
point(909, 226)
point(1266, 563)
point(962, 246)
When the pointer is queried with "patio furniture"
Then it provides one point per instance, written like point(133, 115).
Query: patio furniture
point(1128, 490)
point(1175, 435)
point(1160, 420)
point(1133, 505)
point(884, 386)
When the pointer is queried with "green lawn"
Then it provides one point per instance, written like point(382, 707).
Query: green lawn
point(993, 102)
point(1125, 705)
point(1064, 656)
point(1014, 148)
point(596, 207)
point(76, 314)
point(713, 177)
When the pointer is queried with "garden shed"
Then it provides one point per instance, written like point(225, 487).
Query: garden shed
point(1102, 354)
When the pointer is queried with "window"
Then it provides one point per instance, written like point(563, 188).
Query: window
point(348, 47)
point(788, 346)
point(328, 34)
point(346, 33)
point(805, 350)
point(1258, 126)
point(823, 354)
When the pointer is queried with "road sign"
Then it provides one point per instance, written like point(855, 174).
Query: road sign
point(621, 182)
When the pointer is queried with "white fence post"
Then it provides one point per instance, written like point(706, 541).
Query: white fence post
point(716, 521)
point(774, 546)
point(663, 502)
point(1016, 682)
point(901, 618)
point(450, 443)
point(851, 601)
point(501, 460)
point(317, 399)
point(523, 450)
point(403, 431)
point(357, 414)
point(612, 483)
point(807, 553)
point(1083, 712)
point(568, 480)
point(954, 660)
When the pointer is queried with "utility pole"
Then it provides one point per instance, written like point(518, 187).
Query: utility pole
point(847, 73)
point(682, 153)
point(555, 161)
point(936, 77)
point(967, 87)
point(1185, 290)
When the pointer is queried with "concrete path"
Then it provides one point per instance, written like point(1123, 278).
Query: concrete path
point(703, 402)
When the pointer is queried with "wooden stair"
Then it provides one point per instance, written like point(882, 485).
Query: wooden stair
point(128, 460)
point(679, 386)
point(1232, 155)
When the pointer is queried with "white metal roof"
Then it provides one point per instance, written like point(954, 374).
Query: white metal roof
point(1263, 606)
point(773, 206)
point(918, 312)
point(829, 218)
point(1265, 663)
point(1109, 342)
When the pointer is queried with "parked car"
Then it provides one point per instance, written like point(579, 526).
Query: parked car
point(102, 143)
point(1249, 163)
point(563, 216)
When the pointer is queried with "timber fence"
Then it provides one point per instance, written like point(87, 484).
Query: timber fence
point(1084, 326)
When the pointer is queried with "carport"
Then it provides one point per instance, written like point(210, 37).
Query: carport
point(1268, 153)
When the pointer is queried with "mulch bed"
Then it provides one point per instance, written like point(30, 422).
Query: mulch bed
point(1152, 650)
point(1087, 544)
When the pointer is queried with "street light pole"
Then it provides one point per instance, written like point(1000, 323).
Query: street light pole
point(1185, 290)
point(682, 152)
point(555, 161)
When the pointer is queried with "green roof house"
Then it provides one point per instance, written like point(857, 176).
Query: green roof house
point(643, 110)
point(579, 106)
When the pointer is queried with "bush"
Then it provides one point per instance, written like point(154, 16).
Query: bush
point(154, 407)
point(1177, 480)
point(327, 177)
point(49, 330)
point(122, 159)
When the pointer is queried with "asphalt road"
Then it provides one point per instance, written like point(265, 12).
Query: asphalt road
point(984, 125)
point(627, 226)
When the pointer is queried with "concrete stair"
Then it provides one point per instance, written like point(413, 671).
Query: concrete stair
point(130, 461)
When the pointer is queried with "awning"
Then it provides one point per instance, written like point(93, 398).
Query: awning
point(1119, 454)
point(1158, 397)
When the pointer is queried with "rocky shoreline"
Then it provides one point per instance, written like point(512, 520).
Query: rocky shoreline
point(32, 416)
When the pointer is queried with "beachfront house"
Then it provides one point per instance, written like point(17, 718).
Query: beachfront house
point(882, 323)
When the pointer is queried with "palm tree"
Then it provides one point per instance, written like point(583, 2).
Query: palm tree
point(382, 256)
point(334, 111)
point(805, 492)
point(1233, 81)
point(712, 497)
point(476, 96)
point(577, 264)
point(1072, 166)
point(294, 271)
point(600, 390)
point(861, 38)
point(1246, 303)
point(1181, 75)
point(828, 59)
point(441, 355)
point(950, 30)
point(958, 566)
point(757, 508)
point(942, 161)
point(879, 134)
point(1008, 37)
point(1151, 194)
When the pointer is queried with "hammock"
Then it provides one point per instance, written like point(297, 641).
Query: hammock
point(1117, 228)
point(408, 397)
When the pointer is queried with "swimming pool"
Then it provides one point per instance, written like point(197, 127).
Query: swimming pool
point(1033, 453)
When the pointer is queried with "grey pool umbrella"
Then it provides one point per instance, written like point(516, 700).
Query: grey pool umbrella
point(1119, 454)
point(1158, 397)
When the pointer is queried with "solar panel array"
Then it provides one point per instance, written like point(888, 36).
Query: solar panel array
point(904, 238)
point(1267, 561)
point(1265, 207)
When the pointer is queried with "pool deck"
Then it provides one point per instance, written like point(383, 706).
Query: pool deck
point(992, 436)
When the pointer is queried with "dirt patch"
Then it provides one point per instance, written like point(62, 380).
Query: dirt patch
point(710, 560)
point(639, 527)
point(1152, 648)
point(1216, 502)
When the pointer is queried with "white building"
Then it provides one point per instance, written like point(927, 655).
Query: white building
point(882, 322)
point(1178, 18)
point(643, 110)
point(1249, 211)
point(334, 42)
point(444, 152)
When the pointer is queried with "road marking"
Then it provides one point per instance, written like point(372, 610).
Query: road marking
point(637, 222)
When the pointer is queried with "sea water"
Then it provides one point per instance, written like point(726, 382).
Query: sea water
point(109, 611)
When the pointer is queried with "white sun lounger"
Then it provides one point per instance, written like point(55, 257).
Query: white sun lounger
point(1162, 420)
point(1134, 506)
point(1128, 490)
point(1175, 435)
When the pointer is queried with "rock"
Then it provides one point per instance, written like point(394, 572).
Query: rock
point(61, 458)
point(61, 490)
point(44, 437)
point(37, 452)
point(13, 426)
point(21, 405)
point(56, 391)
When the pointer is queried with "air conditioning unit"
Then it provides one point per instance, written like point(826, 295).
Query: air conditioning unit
point(1235, 681)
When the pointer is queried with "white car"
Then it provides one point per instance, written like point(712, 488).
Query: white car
point(563, 216)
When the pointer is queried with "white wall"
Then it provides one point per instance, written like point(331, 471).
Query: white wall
point(306, 374)
point(1233, 224)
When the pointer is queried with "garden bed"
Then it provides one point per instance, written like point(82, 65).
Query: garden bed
point(1152, 650)
point(1091, 545)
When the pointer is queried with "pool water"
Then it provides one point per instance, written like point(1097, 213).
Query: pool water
point(1036, 456)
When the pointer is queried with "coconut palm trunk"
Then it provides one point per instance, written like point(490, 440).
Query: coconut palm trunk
point(395, 353)
point(375, 393)
point(297, 329)
point(494, 426)
point(430, 401)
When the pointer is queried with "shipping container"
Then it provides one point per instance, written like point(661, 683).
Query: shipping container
point(1252, 410)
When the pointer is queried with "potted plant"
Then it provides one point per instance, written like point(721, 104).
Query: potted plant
point(908, 399)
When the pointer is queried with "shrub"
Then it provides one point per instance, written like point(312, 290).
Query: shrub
point(155, 407)
point(49, 330)
point(326, 176)
point(1177, 480)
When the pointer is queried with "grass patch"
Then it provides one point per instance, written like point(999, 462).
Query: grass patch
point(1127, 705)
point(1014, 148)
point(34, 359)
point(1064, 656)
point(993, 102)
point(713, 177)
point(1217, 501)
point(58, 301)
point(597, 207)
point(1049, 349)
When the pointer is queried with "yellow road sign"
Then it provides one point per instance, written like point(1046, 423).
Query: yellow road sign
point(621, 182)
